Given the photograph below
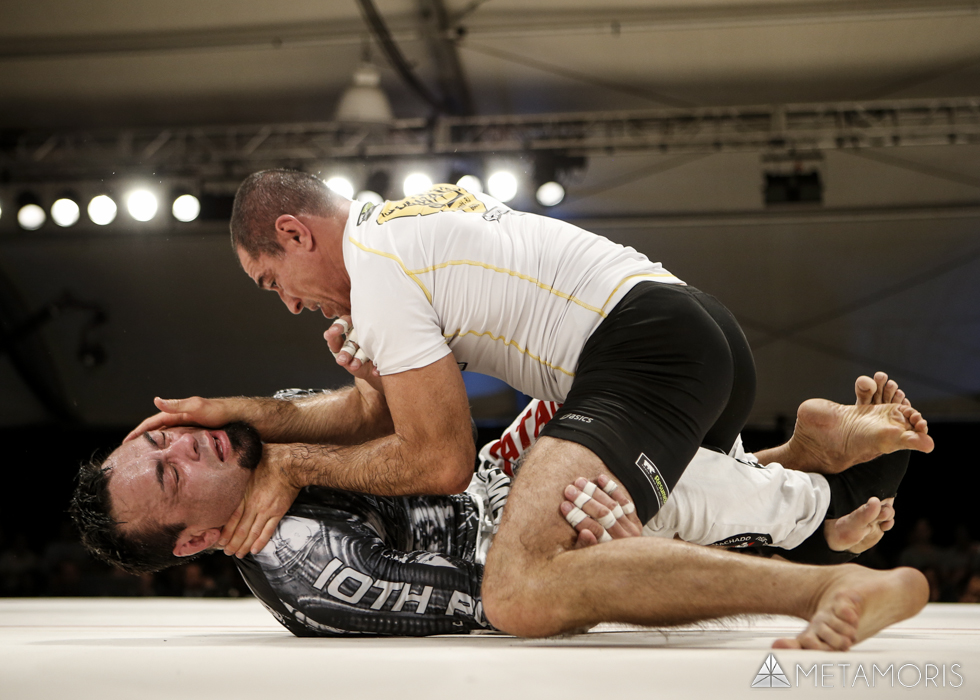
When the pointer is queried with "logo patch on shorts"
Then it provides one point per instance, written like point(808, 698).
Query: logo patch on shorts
point(578, 417)
point(748, 539)
point(655, 478)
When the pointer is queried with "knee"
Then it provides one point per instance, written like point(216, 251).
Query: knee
point(519, 603)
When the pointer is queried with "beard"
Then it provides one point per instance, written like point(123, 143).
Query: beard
point(247, 444)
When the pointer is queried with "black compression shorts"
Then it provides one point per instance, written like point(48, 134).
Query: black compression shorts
point(667, 371)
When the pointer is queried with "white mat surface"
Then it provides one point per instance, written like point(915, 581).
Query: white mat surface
point(75, 649)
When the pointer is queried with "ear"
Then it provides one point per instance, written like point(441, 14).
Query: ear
point(291, 232)
point(190, 543)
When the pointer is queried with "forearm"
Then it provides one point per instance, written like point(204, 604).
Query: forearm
point(342, 417)
point(345, 416)
point(387, 466)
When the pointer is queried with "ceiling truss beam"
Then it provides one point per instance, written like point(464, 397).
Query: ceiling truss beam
point(238, 150)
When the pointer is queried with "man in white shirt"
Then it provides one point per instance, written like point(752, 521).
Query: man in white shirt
point(648, 369)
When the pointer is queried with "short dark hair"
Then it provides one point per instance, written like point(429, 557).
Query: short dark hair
point(265, 196)
point(138, 552)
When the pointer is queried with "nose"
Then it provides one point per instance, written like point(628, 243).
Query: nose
point(292, 303)
point(186, 446)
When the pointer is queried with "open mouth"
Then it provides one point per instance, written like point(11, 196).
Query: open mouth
point(218, 447)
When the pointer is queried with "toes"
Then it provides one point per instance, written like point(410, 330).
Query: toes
point(880, 380)
point(873, 538)
point(864, 390)
point(837, 632)
point(844, 610)
point(888, 391)
point(899, 397)
point(918, 441)
point(811, 640)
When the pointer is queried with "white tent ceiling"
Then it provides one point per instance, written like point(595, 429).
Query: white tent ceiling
point(882, 274)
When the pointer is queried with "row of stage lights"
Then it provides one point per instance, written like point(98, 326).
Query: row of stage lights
point(501, 185)
point(143, 205)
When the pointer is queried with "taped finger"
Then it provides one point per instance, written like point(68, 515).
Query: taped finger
point(607, 520)
point(582, 499)
point(575, 516)
point(618, 512)
point(610, 486)
point(605, 537)
point(628, 508)
point(350, 347)
point(344, 325)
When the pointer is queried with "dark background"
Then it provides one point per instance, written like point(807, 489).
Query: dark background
point(852, 249)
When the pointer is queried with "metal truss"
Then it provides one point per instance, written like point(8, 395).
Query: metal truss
point(232, 151)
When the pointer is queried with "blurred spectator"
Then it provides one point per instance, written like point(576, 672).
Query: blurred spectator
point(972, 592)
point(197, 584)
point(65, 579)
point(18, 569)
point(63, 562)
point(957, 563)
point(920, 553)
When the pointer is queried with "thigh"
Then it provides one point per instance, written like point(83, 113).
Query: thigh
point(532, 526)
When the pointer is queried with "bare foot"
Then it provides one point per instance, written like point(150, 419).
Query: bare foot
point(859, 603)
point(879, 390)
point(861, 529)
point(831, 437)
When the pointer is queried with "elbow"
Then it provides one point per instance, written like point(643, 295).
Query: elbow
point(457, 472)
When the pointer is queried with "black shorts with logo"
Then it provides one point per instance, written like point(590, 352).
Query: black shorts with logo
point(668, 370)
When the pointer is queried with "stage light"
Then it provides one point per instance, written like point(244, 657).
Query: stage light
point(186, 207)
point(470, 183)
point(102, 210)
point(65, 212)
point(142, 205)
point(502, 185)
point(369, 196)
point(342, 186)
point(550, 194)
point(416, 183)
point(31, 217)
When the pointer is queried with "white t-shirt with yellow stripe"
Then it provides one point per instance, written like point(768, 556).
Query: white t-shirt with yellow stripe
point(510, 294)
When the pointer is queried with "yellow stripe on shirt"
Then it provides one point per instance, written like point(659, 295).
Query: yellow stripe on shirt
point(397, 260)
point(512, 273)
point(511, 343)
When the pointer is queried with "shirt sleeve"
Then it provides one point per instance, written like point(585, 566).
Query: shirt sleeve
point(392, 312)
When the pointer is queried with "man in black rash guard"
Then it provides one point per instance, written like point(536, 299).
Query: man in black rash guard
point(342, 563)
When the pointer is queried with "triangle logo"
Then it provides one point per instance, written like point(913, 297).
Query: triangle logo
point(770, 675)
